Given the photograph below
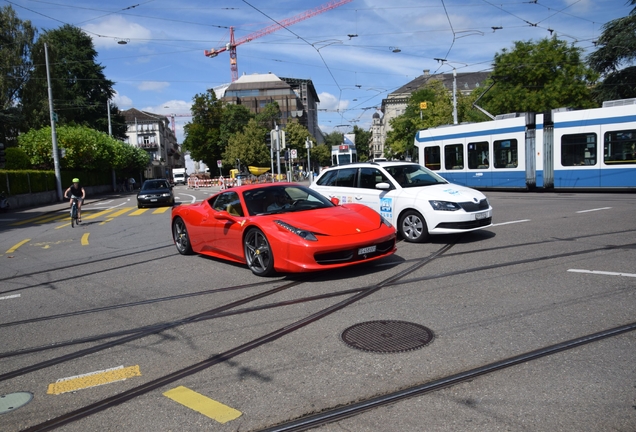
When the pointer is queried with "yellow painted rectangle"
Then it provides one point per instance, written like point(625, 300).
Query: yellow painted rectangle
point(17, 245)
point(203, 404)
point(161, 210)
point(93, 379)
point(138, 212)
point(98, 214)
point(121, 212)
point(85, 239)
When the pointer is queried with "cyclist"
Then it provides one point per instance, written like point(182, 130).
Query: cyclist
point(76, 191)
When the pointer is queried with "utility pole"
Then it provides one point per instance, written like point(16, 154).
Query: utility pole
point(308, 146)
point(277, 149)
point(56, 156)
point(110, 134)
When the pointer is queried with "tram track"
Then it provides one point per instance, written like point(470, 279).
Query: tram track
point(156, 328)
point(227, 355)
point(343, 412)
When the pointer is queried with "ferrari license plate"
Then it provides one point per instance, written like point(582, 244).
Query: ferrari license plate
point(366, 250)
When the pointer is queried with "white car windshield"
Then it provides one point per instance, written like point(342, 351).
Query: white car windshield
point(414, 175)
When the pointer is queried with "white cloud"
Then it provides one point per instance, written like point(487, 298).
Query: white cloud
point(153, 85)
point(116, 28)
point(331, 102)
point(181, 110)
point(122, 101)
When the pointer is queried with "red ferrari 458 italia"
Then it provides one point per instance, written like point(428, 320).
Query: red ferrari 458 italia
point(282, 227)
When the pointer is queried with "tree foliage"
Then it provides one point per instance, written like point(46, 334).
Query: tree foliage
point(84, 148)
point(539, 76)
point(321, 155)
point(248, 146)
point(295, 137)
point(79, 86)
point(203, 133)
point(16, 41)
point(362, 143)
point(616, 52)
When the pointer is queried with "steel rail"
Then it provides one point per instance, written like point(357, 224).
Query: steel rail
point(341, 413)
point(219, 358)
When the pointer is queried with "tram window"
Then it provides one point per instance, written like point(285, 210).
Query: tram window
point(478, 155)
point(578, 149)
point(620, 147)
point(505, 153)
point(454, 156)
point(432, 158)
point(369, 177)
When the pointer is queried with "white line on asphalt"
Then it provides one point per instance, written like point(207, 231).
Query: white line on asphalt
point(193, 197)
point(596, 209)
point(10, 297)
point(511, 222)
point(602, 272)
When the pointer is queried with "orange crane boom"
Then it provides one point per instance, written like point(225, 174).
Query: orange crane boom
point(231, 46)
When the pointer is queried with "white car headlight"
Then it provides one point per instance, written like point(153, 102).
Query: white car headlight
point(307, 235)
point(166, 194)
point(141, 196)
point(444, 205)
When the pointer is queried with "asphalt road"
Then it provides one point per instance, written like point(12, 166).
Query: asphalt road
point(554, 267)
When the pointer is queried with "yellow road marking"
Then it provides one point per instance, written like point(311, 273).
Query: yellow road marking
point(203, 404)
point(92, 379)
point(16, 246)
point(98, 214)
point(26, 221)
point(106, 220)
point(161, 210)
point(54, 218)
point(85, 239)
point(138, 212)
point(121, 212)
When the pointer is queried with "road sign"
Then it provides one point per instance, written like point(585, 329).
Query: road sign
point(219, 163)
point(294, 154)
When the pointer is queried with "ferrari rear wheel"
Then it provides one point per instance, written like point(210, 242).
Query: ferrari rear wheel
point(181, 238)
point(258, 253)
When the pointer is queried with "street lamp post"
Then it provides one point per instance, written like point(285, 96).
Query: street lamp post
point(56, 156)
point(444, 61)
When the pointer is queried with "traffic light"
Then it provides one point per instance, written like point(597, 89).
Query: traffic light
point(268, 140)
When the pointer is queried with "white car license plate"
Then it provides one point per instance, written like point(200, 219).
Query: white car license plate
point(483, 215)
point(153, 199)
point(366, 250)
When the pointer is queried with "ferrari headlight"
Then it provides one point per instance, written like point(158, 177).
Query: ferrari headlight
point(444, 205)
point(307, 235)
point(386, 222)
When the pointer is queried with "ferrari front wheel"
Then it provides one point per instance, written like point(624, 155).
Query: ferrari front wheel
point(180, 236)
point(258, 253)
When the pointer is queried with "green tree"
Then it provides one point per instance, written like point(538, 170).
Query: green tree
point(248, 146)
point(616, 48)
point(17, 159)
point(85, 149)
point(269, 115)
point(362, 143)
point(539, 76)
point(79, 86)
point(295, 137)
point(333, 139)
point(234, 118)
point(321, 155)
point(203, 133)
point(16, 41)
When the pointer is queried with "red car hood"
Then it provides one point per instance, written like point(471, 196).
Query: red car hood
point(336, 221)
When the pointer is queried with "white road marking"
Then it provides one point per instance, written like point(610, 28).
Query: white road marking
point(511, 222)
point(10, 297)
point(193, 197)
point(596, 209)
point(602, 272)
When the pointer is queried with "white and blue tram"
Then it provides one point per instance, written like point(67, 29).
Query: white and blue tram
point(343, 154)
point(562, 149)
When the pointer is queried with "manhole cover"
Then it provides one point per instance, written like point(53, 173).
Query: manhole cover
point(387, 336)
point(12, 401)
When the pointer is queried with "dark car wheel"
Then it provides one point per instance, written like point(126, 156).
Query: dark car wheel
point(181, 238)
point(412, 227)
point(258, 253)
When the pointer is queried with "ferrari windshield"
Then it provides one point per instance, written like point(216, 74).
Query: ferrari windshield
point(283, 199)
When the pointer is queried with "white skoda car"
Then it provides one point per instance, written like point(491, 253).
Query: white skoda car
point(416, 200)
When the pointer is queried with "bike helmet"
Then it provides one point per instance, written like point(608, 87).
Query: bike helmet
point(75, 180)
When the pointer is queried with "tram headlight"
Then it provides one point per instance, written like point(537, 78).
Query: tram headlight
point(444, 205)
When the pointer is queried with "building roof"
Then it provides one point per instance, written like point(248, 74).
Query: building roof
point(134, 115)
point(257, 81)
point(466, 81)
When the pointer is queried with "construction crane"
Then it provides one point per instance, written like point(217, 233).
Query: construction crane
point(231, 46)
point(172, 116)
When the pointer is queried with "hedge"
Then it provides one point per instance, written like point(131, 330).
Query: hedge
point(33, 181)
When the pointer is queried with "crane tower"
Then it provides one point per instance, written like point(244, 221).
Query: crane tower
point(232, 44)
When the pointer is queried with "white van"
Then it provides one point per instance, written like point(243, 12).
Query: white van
point(179, 176)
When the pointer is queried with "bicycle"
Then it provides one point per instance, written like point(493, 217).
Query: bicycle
point(74, 219)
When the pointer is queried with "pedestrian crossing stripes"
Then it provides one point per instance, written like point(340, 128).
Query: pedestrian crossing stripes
point(88, 215)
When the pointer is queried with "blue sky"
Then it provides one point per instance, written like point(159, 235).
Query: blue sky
point(355, 54)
